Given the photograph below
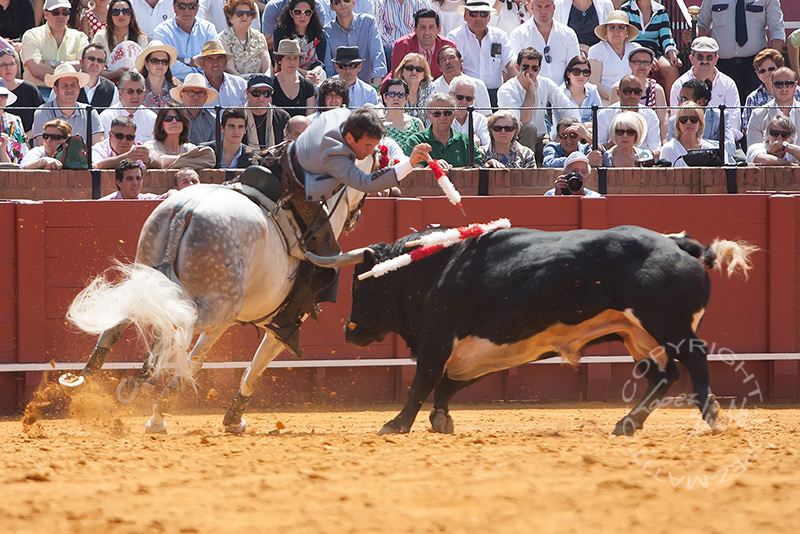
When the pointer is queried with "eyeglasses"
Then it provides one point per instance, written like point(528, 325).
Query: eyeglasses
point(409, 68)
point(122, 136)
point(172, 118)
point(768, 69)
point(302, 12)
point(54, 137)
point(184, 7)
point(628, 91)
point(785, 84)
point(6, 51)
point(100, 60)
point(581, 72)
point(617, 27)
point(620, 132)
point(60, 12)
point(546, 53)
point(525, 66)
point(498, 128)
point(248, 13)
point(465, 97)
point(640, 62)
point(258, 94)
point(780, 133)
point(348, 65)
point(158, 61)
point(706, 57)
point(7, 65)
point(476, 14)
point(396, 94)
point(130, 91)
point(116, 12)
point(192, 92)
point(337, 2)
point(571, 135)
point(689, 118)
point(437, 114)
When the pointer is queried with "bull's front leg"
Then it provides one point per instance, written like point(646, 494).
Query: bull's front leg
point(425, 379)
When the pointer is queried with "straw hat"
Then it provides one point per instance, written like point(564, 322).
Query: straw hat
point(288, 47)
point(616, 17)
point(476, 5)
point(212, 48)
point(156, 46)
point(194, 80)
point(65, 70)
point(11, 96)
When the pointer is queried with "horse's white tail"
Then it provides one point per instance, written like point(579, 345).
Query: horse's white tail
point(734, 254)
point(158, 306)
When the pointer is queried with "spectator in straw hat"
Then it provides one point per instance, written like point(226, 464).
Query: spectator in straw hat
point(187, 34)
point(230, 87)
point(348, 64)
point(195, 94)
point(52, 44)
point(155, 64)
point(66, 83)
point(289, 81)
point(609, 57)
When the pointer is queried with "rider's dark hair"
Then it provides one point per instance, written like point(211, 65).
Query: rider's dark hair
point(124, 165)
point(363, 122)
point(701, 89)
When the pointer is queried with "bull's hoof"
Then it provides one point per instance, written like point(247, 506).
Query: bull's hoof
point(392, 428)
point(627, 427)
point(442, 422)
point(71, 382)
point(155, 427)
point(237, 428)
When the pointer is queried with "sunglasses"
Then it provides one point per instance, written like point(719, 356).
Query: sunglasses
point(476, 14)
point(617, 27)
point(337, 2)
point(121, 136)
point(302, 12)
point(525, 66)
point(158, 61)
point(60, 12)
point(396, 94)
point(172, 118)
point(546, 53)
point(689, 118)
point(248, 13)
point(184, 7)
point(134, 91)
point(785, 84)
point(192, 92)
point(437, 114)
point(620, 132)
point(498, 128)
point(258, 94)
point(465, 97)
point(100, 60)
point(6, 51)
point(410, 68)
point(706, 57)
point(769, 69)
point(581, 72)
point(348, 65)
point(116, 12)
point(572, 135)
point(54, 137)
point(780, 133)
point(628, 91)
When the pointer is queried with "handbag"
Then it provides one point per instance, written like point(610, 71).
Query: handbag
point(703, 157)
point(72, 153)
point(200, 157)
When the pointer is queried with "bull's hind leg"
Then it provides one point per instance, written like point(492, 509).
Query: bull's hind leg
point(658, 383)
point(105, 343)
point(693, 354)
point(440, 415)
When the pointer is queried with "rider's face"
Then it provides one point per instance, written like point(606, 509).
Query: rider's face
point(363, 147)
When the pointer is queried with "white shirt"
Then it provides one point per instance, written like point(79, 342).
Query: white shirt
point(232, 92)
point(479, 62)
point(752, 152)
point(144, 118)
point(480, 127)
point(614, 67)
point(723, 91)
point(652, 141)
point(509, 20)
point(149, 17)
point(481, 93)
point(563, 43)
point(511, 95)
point(761, 117)
point(673, 150)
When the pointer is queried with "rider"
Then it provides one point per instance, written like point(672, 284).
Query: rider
point(320, 163)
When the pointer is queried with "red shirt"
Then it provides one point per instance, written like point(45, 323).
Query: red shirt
point(410, 44)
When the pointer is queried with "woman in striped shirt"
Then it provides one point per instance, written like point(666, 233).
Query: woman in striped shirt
point(655, 33)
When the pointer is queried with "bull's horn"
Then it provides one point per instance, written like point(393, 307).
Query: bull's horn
point(340, 260)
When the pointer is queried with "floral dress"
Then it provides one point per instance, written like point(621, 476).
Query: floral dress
point(155, 101)
point(401, 135)
point(247, 55)
point(17, 147)
point(521, 157)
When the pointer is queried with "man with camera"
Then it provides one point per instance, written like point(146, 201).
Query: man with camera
point(576, 175)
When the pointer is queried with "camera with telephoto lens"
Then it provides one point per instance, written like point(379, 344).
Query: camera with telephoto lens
point(574, 183)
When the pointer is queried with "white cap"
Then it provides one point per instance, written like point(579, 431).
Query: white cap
point(576, 156)
point(50, 5)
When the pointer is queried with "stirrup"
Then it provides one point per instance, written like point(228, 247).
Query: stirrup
point(289, 336)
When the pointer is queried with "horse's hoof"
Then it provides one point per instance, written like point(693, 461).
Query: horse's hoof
point(442, 422)
point(237, 428)
point(155, 428)
point(128, 389)
point(389, 428)
point(71, 382)
point(626, 427)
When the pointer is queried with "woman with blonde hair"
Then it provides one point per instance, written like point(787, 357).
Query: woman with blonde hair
point(247, 47)
point(504, 151)
point(415, 71)
point(628, 130)
point(690, 124)
point(44, 156)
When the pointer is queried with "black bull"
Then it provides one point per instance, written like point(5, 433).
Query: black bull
point(515, 296)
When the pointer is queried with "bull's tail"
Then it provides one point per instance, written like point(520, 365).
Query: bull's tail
point(722, 253)
point(158, 306)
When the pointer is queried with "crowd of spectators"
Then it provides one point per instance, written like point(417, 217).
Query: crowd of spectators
point(140, 80)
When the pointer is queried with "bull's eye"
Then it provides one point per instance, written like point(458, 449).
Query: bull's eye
point(351, 325)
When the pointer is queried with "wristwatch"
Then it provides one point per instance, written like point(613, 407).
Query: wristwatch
point(54, 63)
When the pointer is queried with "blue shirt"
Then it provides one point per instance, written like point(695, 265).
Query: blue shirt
point(554, 155)
point(187, 44)
point(232, 92)
point(363, 34)
point(362, 93)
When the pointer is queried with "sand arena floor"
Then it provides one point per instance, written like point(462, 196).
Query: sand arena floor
point(510, 468)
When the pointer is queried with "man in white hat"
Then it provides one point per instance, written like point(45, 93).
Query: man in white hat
point(704, 59)
point(66, 83)
point(131, 95)
point(52, 44)
point(230, 88)
point(187, 33)
point(557, 42)
point(487, 52)
point(349, 29)
point(348, 64)
point(576, 163)
point(195, 93)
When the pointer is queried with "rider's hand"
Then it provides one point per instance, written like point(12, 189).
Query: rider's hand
point(420, 153)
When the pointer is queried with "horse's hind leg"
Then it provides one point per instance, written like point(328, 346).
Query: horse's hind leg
point(105, 343)
point(267, 351)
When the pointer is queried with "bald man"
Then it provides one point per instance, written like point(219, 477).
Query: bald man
point(295, 127)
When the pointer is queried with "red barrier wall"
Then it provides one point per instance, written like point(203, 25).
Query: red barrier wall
point(50, 250)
